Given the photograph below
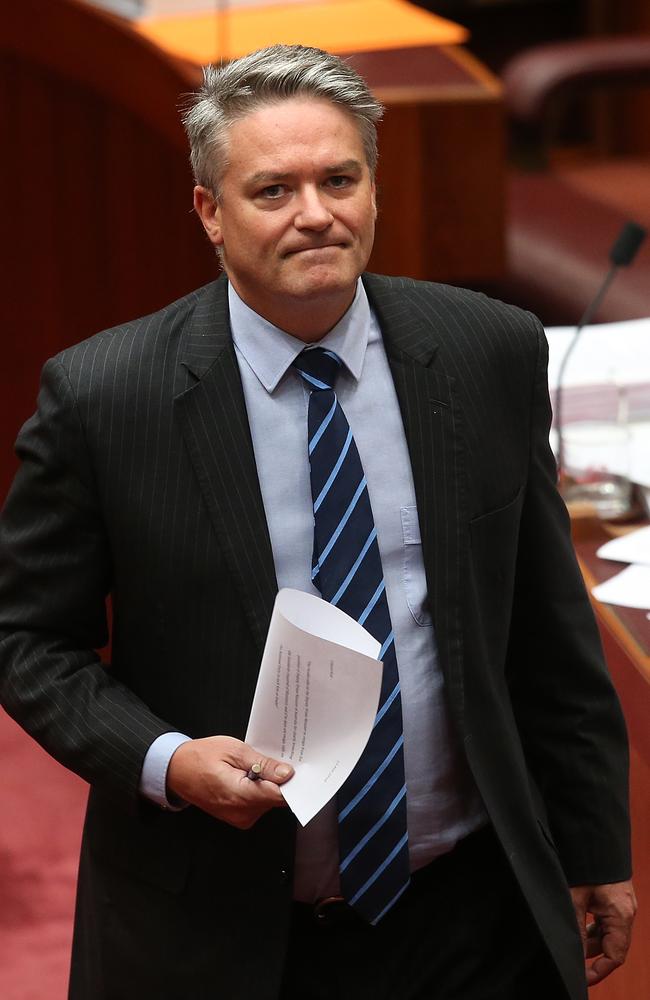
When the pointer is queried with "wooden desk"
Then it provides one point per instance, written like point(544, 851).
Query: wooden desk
point(626, 638)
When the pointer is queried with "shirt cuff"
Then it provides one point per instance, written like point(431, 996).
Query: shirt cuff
point(153, 779)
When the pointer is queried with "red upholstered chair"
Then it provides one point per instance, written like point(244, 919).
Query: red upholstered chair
point(563, 220)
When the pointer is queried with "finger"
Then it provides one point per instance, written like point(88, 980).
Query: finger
point(614, 944)
point(260, 768)
point(241, 801)
point(242, 756)
point(594, 940)
point(255, 788)
point(262, 794)
point(594, 947)
point(600, 969)
point(256, 798)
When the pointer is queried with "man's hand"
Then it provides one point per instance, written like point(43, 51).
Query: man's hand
point(607, 939)
point(212, 774)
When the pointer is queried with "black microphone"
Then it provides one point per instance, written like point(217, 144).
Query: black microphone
point(622, 254)
point(629, 240)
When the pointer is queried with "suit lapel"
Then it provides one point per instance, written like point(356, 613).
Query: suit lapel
point(214, 424)
point(432, 423)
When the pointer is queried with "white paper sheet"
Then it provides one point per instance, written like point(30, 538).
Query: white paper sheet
point(629, 589)
point(633, 547)
point(605, 351)
point(316, 697)
point(610, 362)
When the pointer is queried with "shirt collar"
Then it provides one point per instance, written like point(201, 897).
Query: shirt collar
point(270, 351)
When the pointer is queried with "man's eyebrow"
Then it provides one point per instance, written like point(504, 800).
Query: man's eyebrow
point(277, 177)
point(267, 177)
point(346, 167)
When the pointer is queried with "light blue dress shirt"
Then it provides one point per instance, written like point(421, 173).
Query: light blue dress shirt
point(442, 802)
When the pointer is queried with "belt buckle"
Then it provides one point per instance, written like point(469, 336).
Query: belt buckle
point(326, 909)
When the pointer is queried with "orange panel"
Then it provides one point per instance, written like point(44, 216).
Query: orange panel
point(337, 25)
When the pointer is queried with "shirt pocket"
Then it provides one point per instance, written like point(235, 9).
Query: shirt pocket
point(415, 583)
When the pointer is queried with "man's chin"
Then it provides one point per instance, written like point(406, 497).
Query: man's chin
point(321, 282)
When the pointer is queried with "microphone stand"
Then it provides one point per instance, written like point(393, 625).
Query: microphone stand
point(621, 255)
point(585, 319)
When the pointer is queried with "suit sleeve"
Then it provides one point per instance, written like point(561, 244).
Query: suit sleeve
point(55, 575)
point(568, 715)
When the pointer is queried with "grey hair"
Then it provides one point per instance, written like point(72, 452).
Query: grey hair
point(233, 90)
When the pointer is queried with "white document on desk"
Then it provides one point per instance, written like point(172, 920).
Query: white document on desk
point(628, 589)
point(316, 697)
point(634, 547)
point(607, 351)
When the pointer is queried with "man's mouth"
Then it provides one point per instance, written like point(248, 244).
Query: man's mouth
point(314, 249)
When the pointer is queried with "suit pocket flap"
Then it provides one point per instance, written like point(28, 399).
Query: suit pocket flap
point(496, 513)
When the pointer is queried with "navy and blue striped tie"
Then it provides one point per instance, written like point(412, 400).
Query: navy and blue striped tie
point(373, 838)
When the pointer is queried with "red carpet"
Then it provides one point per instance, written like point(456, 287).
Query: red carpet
point(41, 809)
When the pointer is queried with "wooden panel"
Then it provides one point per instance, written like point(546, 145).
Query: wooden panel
point(441, 194)
point(101, 53)
point(400, 228)
point(441, 167)
point(96, 200)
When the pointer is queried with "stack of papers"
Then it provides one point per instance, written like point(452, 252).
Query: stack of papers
point(614, 353)
point(631, 587)
point(608, 372)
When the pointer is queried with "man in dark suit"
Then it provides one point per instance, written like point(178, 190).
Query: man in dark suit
point(167, 465)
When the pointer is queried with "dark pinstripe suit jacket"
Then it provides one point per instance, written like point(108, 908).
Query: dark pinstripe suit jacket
point(138, 478)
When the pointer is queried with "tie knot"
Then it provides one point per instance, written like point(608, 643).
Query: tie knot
point(319, 367)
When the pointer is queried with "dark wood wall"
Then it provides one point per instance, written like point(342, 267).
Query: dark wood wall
point(96, 191)
point(633, 16)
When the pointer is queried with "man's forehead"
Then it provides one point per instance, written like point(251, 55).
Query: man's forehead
point(278, 138)
point(301, 113)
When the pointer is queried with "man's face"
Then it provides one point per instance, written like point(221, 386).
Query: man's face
point(296, 215)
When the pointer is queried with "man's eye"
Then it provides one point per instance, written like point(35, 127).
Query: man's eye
point(273, 191)
point(339, 181)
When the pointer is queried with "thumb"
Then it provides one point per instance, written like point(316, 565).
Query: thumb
point(265, 768)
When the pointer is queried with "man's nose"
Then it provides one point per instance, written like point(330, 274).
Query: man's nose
point(312, 211)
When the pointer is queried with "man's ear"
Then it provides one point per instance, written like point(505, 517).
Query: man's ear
point(207, 208)
point(373, 195)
